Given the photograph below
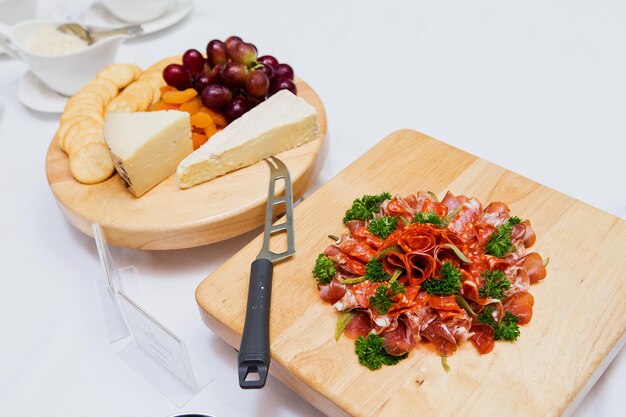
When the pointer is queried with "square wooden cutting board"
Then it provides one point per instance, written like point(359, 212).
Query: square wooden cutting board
point(579, 314)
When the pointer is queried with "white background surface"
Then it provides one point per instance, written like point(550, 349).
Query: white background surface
point(538, 87)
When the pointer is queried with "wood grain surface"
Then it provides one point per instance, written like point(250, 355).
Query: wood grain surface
point(168, 217)
point(579, 313)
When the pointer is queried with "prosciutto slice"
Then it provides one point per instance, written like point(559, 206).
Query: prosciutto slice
point(520, 304)
point(399, 341)
point(360, 325)
point(440, 336)
point(483, 337)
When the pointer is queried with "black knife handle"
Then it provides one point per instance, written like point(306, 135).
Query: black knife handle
point(254, 352)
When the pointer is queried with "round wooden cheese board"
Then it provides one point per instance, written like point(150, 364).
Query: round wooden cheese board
point(168, 217)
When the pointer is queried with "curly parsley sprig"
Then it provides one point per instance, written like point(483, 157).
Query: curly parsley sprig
point(364, 208)
point(374, 271)
point(381, 300)
point(449, 283)
point(495, 286)
point(499, 243)
point(371, 352)
point(383, 226)
point(507, 329)
point(428, 217)
point(324, 270)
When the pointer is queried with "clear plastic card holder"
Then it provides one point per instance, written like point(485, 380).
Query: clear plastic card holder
point(146, 345)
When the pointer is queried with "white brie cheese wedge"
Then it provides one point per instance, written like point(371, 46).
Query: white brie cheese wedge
point(281, 122)
point(146, 147)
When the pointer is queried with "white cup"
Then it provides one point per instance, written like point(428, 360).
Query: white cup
point(136, 11)
point(13, 11)
point(65, 74)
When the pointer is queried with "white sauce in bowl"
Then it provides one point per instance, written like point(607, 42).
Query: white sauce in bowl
point(49, 41)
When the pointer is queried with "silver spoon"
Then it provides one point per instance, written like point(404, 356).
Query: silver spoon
point(90, 34)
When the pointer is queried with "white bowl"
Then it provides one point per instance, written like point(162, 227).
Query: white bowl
point(67, 73)
point(136, 11)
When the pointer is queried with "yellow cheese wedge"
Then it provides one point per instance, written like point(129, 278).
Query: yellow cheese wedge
point(146, 147)
point(281, 122)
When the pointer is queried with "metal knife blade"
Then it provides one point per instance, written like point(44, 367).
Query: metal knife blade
point(254, 351)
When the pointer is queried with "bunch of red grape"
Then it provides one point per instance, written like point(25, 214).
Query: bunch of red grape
point(232, 79)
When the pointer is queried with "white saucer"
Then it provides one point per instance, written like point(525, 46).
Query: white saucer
point(37, 96)
point(98, 15)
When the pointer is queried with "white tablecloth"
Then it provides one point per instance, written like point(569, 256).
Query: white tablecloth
point(537, 87)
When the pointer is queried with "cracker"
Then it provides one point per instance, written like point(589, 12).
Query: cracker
point(68, 123)
point(98, 90)
point(83, 137)
point(120, 74)
point(74, 130)
point(78, 111)
point(123, 103)
point(85, 101)
point(72, 127)
point(155, 83)
point(142, 92)
point(137, 71)
point(108, 84)
point(92, 163)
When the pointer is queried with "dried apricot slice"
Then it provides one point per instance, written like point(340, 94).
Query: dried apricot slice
point(191, 106)
point(163, 106)
point(201, 120)
point(166, 88)
point(210, 131)
point(217, 117)
point(198, 140)
point(179, 97)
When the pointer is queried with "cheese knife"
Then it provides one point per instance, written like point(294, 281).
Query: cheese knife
point(254, 351)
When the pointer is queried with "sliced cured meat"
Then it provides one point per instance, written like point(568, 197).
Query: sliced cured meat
point(497, 207)
point(363, 291)
point(397, 206)
point(446, 307)
point(359, 231)
point(344, 263)
point(438, 208)
point(440, 336)
point(417, 238)
point(356, 249)
point(411, 299)
point(521, 281)
point(347, 302)
point(393, 261)
point(411, 201)
point(443, 254)
point(332, 292)
point(463, 222)
point(448, 236)
point(483, 231)
point(483, 337)
point(450, 201)
point(399, 341)
point(470, 286)
point(360, 325)
point(534, 266)
point(529, 235)
point(421, 266)
point(520, 304)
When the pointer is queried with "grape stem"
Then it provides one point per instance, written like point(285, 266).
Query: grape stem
point(256, 65)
